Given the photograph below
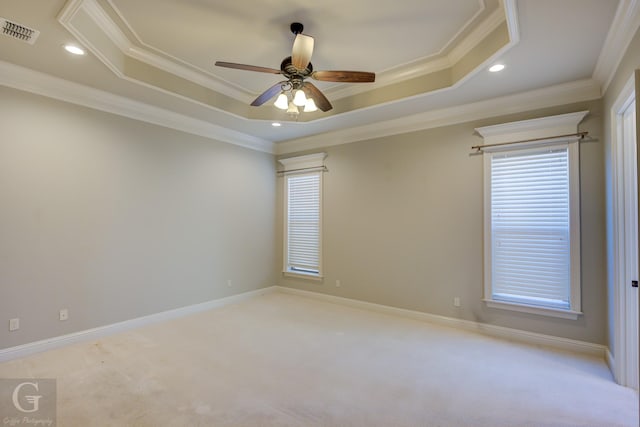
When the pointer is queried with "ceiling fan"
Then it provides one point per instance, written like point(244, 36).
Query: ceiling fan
point(296, 68)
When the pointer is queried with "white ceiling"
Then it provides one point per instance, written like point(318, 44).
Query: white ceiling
point(153, 59)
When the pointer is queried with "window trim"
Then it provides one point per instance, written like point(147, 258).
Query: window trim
point(530, 129)
point(311, 164)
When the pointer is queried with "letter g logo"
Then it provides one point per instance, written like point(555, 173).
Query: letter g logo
point(34, 399)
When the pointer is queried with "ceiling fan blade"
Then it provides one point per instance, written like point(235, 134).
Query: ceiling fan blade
point(302, 51)
point(318, 97)
point(248, 67)
point(267, 94)
point(344, 76)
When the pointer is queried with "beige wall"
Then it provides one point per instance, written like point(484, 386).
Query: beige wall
point(115, 219)
point(625, 71)
point(403, 225)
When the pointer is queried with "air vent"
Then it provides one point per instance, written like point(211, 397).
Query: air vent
point(17, 31)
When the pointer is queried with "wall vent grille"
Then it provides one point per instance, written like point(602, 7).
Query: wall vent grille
point(18, 32)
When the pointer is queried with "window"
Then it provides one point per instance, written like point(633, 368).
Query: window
point(303, 215)
point(532, 226)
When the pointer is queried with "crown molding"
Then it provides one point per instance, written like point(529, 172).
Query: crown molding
point(135, 48)
point(624, 26)
point(172, 65)
point(441, 61)
point(568, 93)
point(70, 13)
point(476, 36)
point(148, 54)
point(69, 10)
point(511, 15)
point(106, 24)
point(43, 84)
point(160, 60)
point(395, 75)
point(53, 87)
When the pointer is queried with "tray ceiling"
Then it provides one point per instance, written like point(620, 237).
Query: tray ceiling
point(153, 60)
point(422, 47)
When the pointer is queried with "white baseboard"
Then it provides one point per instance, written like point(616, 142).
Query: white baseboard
point(611, 362)
point(101, 331)
point(492, 330)
point(532, 338)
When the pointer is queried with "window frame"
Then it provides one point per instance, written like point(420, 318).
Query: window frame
point(312, 164)
point(538, 129)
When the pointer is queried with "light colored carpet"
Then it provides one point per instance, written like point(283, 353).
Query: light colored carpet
point(284, 360)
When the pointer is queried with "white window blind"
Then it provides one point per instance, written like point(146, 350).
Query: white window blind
point(530, 227)
point(303, 223)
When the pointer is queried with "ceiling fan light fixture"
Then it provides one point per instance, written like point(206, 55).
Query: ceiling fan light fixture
point(293, 109)
point(282, 102)
point(299, 98)
point(296, 69)
point(310, 106)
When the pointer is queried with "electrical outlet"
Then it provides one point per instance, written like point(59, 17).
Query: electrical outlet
point(338, 283)
point(14, 324)
point(456, 301)
point(64, 314)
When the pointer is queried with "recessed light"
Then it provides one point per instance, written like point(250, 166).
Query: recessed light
point(276, 124)
point(496, 68)
point(74, 49)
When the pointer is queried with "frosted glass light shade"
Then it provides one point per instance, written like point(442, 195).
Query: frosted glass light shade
point(299, 99)
point(293, 109)
point(282, 102)
point(310, 106)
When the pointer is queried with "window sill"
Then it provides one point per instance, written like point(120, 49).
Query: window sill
point(300, 275)
point(543, 311)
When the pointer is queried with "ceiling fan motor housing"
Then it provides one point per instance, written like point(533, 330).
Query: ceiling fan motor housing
point(296, 28)
point(289, 71)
